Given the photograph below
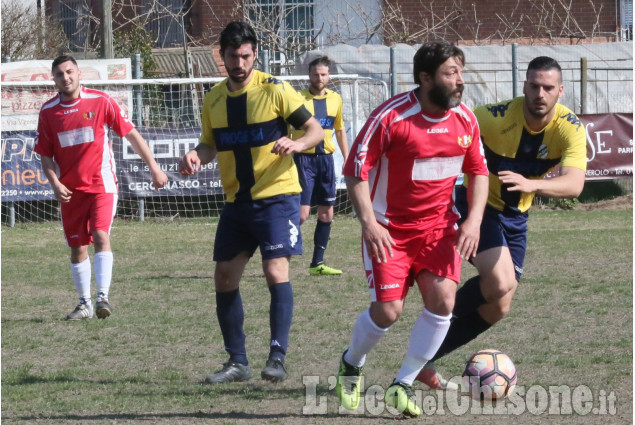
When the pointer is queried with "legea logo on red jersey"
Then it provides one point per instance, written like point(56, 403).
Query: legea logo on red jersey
point(89, 115)
point(465, 141)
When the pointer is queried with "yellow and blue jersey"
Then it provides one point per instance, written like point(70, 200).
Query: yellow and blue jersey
point(510, 145)
point(327, 109)
point(243, 126)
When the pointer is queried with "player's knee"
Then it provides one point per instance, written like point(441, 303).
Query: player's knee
point(497, 287)
point(441, 307)
point(385, 314)
point(326, 216)
point(498, 311)
point(101, 241)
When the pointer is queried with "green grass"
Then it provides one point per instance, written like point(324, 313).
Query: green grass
point(570, 324)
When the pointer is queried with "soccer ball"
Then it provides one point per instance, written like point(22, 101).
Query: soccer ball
point(491, 375)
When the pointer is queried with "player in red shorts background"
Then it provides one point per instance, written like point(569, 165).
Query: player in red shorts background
point(74, 142)
point(400, 177)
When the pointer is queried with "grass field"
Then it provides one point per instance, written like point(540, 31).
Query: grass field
point(570, 325)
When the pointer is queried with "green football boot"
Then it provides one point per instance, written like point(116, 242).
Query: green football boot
point(323, 270)
point(400, 396)
point(348, 384)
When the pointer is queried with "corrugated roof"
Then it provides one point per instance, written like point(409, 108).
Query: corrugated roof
point(171, 62)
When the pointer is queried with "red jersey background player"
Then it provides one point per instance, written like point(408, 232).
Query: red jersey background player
point(74, 142)
point(400, 177)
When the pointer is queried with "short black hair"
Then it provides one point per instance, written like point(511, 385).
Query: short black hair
point(544, 63)
point(236, 34)
point(321, 60)
point(432, 55)
point(61, 59)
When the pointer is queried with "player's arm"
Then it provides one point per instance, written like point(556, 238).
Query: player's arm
point(374, 235)
point(340, 130)
point(159, 178)
point(313, 134)
point(62, 193)
point(192, 161)
point(342, 142)
point(568, 184)
point(470, 230)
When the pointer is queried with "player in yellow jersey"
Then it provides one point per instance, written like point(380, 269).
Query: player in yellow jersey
point(245, 122)
point(523, 139)
point(316, 166)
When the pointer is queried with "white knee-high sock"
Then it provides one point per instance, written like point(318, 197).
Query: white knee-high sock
point(366, 334)
point(81, 277)
point(103, 272)
point(426, 337)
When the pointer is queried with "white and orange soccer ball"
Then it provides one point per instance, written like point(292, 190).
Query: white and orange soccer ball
point(491, 375)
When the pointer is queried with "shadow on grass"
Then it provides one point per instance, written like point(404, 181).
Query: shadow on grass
point(259, 417)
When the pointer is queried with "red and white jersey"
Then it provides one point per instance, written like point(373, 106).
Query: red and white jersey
point(78, 136)
point(412, 159)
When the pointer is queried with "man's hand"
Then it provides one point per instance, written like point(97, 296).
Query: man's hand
point(285, 146)
point(190, 162)
point(467, 238)
point(378, 241)
point(518, 182)
point(159, 179)
point(62, 193)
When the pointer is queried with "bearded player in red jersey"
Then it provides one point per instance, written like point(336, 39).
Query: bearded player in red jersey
point(74, 142)
point(400, 176)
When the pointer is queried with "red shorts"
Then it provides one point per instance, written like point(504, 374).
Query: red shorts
point(433, 250)
point(85, 213)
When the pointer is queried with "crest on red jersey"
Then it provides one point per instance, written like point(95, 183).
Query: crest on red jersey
point(465, 141)
point(89, 115)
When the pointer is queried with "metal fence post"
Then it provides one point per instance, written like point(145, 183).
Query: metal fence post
point(355, 107)
point(583, 84)
point(138, 111)
point(7, 59)
point(265, 62)
point(393, 72)
point(138, 99)
point(515, 69)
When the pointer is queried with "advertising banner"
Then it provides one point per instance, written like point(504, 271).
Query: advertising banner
point(22, 176)
point(21, 106)
point(609, 145)
point(609, 154)
point(135, 179)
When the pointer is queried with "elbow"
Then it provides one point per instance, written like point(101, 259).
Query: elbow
point(574, 191)
point(577, 189)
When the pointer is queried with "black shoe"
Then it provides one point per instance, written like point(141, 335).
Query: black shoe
point(103, 308)
point(274, 371)
point(231, 372)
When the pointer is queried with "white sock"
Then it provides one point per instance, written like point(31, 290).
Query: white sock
point(366, 334)
point(426, 337)
point(81, 276)
point(103, 272)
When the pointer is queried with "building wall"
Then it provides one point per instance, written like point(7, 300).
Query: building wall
point(543, 20)
point(472, 19)
point(207, 24)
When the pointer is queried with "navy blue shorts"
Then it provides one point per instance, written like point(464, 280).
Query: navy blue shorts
point(499, 229)
point(271, 223)
point(317, 178)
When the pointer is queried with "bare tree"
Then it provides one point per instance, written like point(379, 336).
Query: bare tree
point(540, 21)
point(133, 22)
point(27, 35)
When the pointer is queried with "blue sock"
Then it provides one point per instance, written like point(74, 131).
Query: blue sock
point(469, 297)
point(462, 330)
point(320, 240)
point(280, 315)
point(230, 313)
